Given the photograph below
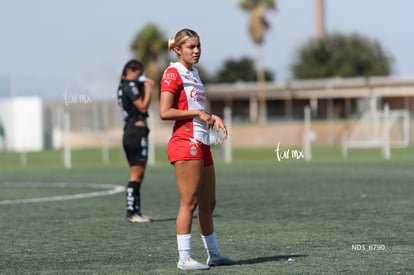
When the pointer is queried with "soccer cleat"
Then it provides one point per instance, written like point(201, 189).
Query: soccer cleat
point(136, 218)
point(220, 261)
point(191, 264)
point(146, 217)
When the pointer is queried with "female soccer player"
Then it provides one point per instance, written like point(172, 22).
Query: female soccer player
point(134, 97)
point(183, 99)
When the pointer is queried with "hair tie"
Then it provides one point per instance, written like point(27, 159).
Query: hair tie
point(171, 42)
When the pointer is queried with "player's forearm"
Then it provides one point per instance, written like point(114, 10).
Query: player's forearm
point(175, 114)
point(146, 101)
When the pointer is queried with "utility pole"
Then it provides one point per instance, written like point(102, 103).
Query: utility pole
point(318, 18)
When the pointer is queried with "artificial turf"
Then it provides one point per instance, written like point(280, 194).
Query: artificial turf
point(326, 216)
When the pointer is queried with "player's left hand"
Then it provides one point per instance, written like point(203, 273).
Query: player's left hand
point(219, 124)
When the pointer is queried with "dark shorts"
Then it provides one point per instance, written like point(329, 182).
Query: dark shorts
point(135, 143)
point(183, 149)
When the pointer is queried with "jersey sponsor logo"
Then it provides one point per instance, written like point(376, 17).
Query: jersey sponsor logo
point(169, 76)
point(197, 95)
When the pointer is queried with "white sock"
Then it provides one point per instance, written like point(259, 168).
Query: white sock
point(211, 245)
point(184, 246)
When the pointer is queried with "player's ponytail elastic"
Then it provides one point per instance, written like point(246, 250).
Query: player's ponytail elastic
point(171, 42)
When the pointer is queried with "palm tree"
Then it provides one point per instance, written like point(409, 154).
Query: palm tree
point(148, 46)
point(258, 25)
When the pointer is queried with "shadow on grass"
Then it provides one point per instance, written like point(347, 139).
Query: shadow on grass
point(164, 220)
point(271, 259)
point(174, 219)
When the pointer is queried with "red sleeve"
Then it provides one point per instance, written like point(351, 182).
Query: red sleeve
point(171, 81)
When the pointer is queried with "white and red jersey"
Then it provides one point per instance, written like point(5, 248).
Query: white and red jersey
point(189, 95)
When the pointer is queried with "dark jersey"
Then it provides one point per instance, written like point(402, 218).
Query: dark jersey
point(128, 92)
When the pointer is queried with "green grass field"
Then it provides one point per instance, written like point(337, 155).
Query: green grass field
point(327, 216)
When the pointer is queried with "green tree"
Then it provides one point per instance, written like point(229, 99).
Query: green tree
point(340, 55)
point(258, 25)
point(239, 70)
point(150, 47)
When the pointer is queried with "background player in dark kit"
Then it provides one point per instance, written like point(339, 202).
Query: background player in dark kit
point(134, 98)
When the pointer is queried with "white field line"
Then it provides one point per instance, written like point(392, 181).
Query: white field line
point(115, 189)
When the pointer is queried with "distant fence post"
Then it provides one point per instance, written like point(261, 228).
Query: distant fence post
point(67, 160)
point(228, 158)
point(308, 134)
point(105, 137)
point(386, 137)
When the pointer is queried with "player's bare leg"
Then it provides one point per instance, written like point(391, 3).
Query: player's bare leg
point(188, 175)
point(207, 203)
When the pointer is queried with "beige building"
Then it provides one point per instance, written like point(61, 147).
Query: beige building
point(336, 98)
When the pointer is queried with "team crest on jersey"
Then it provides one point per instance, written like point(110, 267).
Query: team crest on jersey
point(187, 128)
point(193, 151)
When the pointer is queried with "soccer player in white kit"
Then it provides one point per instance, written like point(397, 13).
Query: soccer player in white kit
point(182, 99)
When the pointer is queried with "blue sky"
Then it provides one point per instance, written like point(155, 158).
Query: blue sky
point(49, 46)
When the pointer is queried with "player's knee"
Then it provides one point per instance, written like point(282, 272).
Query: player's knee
point(189, 204)
point(137, 176)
